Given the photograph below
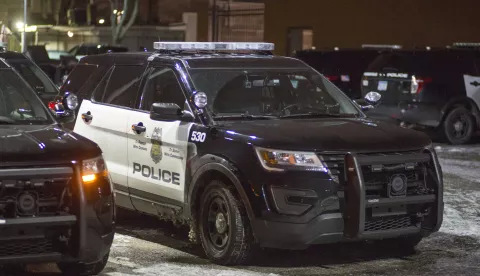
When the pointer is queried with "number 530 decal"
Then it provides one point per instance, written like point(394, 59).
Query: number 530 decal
point(198, 136)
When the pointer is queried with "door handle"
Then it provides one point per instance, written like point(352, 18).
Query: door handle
point(87, 117)
point(139, 128)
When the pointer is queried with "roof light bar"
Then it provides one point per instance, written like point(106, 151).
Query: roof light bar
point(213, 46)
point(380, 46)
point(466, 44)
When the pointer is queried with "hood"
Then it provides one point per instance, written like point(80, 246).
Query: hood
point(356, 135)
point(43, 144)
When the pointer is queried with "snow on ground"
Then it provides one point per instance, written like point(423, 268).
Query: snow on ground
point(462, 198)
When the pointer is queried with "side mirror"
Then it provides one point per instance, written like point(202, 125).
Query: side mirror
point(363, 105)
point(170, 112)
point(61, 114)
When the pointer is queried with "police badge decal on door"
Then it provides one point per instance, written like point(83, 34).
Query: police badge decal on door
point(156, 151)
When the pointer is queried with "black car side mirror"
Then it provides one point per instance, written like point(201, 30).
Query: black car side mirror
point(363, 105)
point(61, 114)
point(170, 112)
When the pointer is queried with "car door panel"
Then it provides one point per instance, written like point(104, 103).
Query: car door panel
point(110, 135)
point(157, 158)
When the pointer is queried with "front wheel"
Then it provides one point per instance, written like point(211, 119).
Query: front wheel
point(79, 269)
point(459, 126)
point(224, 227)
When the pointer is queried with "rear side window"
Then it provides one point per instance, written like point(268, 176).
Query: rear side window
point(395, 62)
point(78, 78)
point(120, 87)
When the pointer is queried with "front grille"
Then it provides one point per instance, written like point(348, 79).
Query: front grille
point(388, 223)
point(25, 247)
point(336, 167)
point(28, 192)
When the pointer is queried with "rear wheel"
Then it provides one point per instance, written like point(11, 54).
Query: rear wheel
point(224, 227)
point(459, 126)
point(79, 269)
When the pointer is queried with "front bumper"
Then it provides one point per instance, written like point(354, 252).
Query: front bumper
point(414, 115)
point(83, 233)
point(358, 215)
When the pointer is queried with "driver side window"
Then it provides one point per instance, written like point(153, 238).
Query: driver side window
point(162, 86)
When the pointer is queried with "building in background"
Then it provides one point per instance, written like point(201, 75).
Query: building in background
point(236, 20)
point(62, 24)
point(303, 24)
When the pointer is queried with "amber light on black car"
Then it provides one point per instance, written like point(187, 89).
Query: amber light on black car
point(98, 188)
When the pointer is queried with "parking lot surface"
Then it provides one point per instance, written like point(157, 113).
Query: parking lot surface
point(146, 246)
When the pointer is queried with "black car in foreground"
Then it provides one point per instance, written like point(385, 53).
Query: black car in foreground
point(251, 149)
point(437, 89)
point(56, 197)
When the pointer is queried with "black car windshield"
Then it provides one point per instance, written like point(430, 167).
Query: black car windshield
point(34, 76)
point(278, 92)
point(18, 102)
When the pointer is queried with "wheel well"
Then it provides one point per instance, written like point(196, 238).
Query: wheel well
point(202, 183)
point(468, 104)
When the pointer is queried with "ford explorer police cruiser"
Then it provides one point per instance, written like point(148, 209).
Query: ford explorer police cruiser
point(252, 149)
point(56, 199)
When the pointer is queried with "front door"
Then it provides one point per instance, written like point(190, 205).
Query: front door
point(157, 151)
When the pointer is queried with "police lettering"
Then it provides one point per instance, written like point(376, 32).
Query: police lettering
point(162, 175)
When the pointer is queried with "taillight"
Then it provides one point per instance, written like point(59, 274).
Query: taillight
point(51, 105)
point(332, 78)
point(418, 83)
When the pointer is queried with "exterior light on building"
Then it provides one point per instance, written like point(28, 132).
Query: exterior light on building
point(70, 34)
point(101, 21)
point(121, 12)
point(115, 11)
point(19, 25)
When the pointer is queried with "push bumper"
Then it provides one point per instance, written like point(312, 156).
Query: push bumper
point(359, 219)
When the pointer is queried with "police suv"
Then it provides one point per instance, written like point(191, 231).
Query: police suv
point(56, 198)
point(251, 149)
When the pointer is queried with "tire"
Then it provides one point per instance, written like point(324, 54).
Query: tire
point(224, 227)
point(459, 126)
point(407, 243)
point(79, 269)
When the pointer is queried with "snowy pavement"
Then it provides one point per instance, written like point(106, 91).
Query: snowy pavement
point(145, 246)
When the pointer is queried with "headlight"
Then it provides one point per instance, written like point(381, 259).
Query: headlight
point(280, 160)
point(93, 168)
point(71, 101)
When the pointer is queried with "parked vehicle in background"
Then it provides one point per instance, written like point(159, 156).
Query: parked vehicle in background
point(82, 50)
point(35, 77)
point(343, 67)
point(57, 202)
point(55, 55)
point(437, 89)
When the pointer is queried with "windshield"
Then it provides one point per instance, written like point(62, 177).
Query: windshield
point(280, 92)
point(18, 103)
point(34, 76)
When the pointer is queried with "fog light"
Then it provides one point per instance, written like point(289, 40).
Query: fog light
point(88, 178)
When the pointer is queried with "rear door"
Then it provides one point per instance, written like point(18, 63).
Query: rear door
point(104, 119)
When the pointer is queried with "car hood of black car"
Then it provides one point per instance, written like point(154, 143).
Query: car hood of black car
point(37, 144)
point(331, 134)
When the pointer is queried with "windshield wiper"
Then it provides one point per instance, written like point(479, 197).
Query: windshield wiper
point(245, 116)
point(318, 115)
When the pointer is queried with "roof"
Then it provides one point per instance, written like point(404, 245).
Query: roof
point(204, 60)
